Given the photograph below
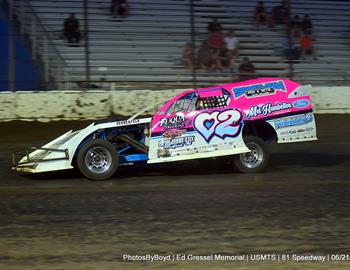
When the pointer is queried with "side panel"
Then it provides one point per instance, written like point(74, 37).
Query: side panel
point(284, 104)
point(196, 134)
point(295, 128)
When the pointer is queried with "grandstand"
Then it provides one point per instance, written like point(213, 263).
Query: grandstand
point(146, 47)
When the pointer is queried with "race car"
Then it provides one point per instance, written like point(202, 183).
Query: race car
point(238, 120)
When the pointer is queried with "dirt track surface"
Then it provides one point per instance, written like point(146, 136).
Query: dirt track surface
point(300, 205)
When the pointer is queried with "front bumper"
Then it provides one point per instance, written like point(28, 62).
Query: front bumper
point(28, 160)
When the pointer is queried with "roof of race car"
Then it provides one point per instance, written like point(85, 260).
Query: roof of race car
point(230, 86)
point(234, 89)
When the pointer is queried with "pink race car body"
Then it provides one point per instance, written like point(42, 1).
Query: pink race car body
point(213, 120)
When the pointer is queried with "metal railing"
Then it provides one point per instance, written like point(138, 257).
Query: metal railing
point(36, 36)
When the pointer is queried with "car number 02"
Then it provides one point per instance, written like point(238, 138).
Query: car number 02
point(218, 123)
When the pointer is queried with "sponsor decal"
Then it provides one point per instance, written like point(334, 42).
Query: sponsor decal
point(267, 109)
point(200, 149)
point(163, 153)
point(308, 129)
point(301, 103)
point(173, 133)
point(176, 142)
point(257, 90)
point(293, 131)
point(222, 124)
point(177, 121)
point(206, 148)
point(127, 122)
point(293, 121)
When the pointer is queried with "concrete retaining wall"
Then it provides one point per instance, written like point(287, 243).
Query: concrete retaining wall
point(74, 105)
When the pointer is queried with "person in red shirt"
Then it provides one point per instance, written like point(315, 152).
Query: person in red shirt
point(215, 40)
point(307, 46)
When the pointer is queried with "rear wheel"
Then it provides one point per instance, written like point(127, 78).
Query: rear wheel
point(97, 160)
point(256, 160)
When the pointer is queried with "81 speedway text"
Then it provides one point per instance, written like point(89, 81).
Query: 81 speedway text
point(287, 257)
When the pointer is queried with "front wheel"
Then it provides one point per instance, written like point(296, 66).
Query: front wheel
point(97, 160)
point(256, 160)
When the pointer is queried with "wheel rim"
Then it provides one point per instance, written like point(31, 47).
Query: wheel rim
point(98, 160)
point(253, 158)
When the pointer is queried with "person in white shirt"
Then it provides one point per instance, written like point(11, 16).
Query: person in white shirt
point(232, 47)
point(232, 42)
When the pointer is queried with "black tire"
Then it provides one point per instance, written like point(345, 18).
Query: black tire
point(255, 161)
point(97, 160)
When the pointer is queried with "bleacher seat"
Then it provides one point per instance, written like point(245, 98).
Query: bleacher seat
point(147, 45)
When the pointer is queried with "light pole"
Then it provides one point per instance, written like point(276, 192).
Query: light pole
point(193, 41)
point(87, 48)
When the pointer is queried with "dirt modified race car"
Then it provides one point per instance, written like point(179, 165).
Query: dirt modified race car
point(238, 120)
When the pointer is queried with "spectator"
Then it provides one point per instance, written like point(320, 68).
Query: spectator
point(232, 43)
point(246, 69)
point(187, 59)
point(284, 11)
point(260, 13)
point(290, 50)
point(227, 59)
point(119, 8)
point(216, 60)
point(279, 14)
point(71, 29)
point(295, 26)
point(216, 43)
point(215, 40)
point(307, 46)
point(214, 26)
point(204, 56)
point(306, 24)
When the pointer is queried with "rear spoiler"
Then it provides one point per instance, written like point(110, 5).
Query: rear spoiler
point(301, 91)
